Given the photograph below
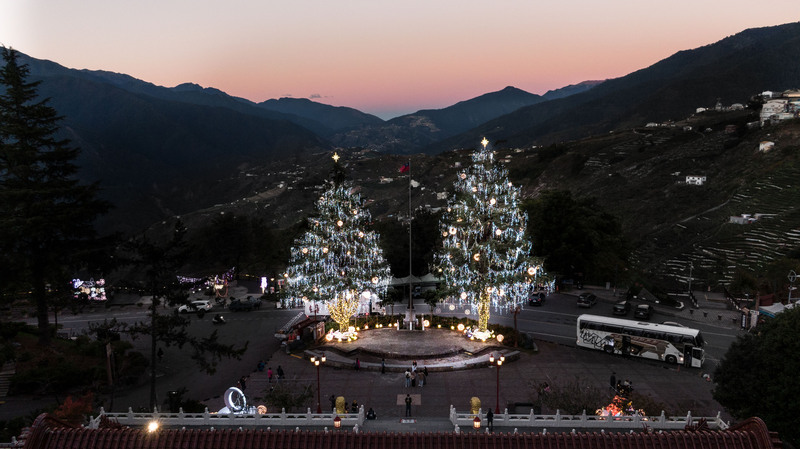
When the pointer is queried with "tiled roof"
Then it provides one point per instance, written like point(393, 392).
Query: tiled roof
point(48, 433)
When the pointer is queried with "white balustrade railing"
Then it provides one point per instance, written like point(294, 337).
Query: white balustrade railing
point(208, 419)
point(583, 421)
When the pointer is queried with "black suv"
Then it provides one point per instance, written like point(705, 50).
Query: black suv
point(536, 298)
point(587, 299)
point(621, 308)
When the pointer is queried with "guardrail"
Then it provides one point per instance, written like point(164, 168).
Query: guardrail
point(559, 421)
point(208, 419)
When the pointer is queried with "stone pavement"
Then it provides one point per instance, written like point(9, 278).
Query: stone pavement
point(678, 388)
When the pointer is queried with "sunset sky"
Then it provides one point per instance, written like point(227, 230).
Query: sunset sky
point(382, 57)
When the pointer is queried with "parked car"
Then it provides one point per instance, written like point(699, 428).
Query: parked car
point(536, 298)
point(249, 303)
point(587, 299)
point(643, 311)
point(196, 306)
point(621, 308)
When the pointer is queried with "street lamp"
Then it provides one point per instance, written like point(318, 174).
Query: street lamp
point(318, 361)
point(497, 361)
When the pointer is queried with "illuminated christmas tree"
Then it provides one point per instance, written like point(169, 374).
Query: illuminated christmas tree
point(485, 256)
point(338, 259)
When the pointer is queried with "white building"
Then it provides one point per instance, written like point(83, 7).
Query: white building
point(766, 146)
point(695, 180)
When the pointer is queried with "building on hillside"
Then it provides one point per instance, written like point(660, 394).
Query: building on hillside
point(695, 180)
point(766, 146)
point(743, 219)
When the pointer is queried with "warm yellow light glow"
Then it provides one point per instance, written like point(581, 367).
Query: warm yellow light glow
point(305, 250)
point(262, 409)
point(452, 230)
point(463, 296)
point(498, 232)
point(426, 323)
point(339, 223)
point(375, 279)
point(477, 257)
point(460, 327)
point(444, 233)
point(484, 142)
point(329, 337)
point(463, 176)
point(335, 157)
point(492, 201)
point(325, 250)
point(531, 271)
point(152, 426)
point(500, 338)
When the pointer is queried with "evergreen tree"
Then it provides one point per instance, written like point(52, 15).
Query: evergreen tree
point(485, 257)
point(46, 216)
point(758, 375)
point(337, 258)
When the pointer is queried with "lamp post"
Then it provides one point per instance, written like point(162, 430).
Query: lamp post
point(497, 362)
point(317, 361)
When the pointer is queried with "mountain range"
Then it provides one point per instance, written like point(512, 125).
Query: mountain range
point(161, 152)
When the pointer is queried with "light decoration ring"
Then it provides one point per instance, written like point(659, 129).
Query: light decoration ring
point(460, 327)
point(463, 296)
point(531, 271)
point(492, 201)
point(452, 230)
point(498, 232)
point(340, 223)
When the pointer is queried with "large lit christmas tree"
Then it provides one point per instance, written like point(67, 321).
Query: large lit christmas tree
point(338, 259)
point(485, 256)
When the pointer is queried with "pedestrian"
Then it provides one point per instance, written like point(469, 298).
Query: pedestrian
point(358, 364)
point(414, 366)
point(280, 372)
point(261, 365)
point(269, 374)
point(490, 420)
point(421, 378)
point(408, 378)
point(371, 414)
point(333, 403)
point(413, 379)
point(408, 405)
point(383, 366)
point(425, 371)
point(613, 380)
point(354, 407)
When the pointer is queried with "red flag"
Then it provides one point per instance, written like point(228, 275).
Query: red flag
point(405, 167)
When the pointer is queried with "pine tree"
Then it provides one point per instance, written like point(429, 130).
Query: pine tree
point(46, 216)
point(485, 256)
point(337, 258)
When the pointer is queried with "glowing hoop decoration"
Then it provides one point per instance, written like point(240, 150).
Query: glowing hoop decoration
point(235, 400)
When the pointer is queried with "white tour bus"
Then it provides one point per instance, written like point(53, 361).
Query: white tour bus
point(671, 344)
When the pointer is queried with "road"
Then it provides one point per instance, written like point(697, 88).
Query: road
point(554, 321)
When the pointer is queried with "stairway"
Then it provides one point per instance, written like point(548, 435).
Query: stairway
point(5, 378)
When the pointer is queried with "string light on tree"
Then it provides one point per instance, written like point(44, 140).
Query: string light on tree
point(485, 256)
point(337, 259)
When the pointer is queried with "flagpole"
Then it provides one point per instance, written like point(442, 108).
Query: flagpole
point(410, 292)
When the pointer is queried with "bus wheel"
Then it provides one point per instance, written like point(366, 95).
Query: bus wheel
point(671, 359)
point(609, 349)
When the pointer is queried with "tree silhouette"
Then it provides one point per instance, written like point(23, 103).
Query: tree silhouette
point(46, 216)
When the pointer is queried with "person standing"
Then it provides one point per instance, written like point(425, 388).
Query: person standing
point(333, 403)
point(383, 366)
point(408, 378)
point(358, 364)
point(280, 372)
point(421, 378)
point(269, 374)
point(408, 405)
point(490, 420)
